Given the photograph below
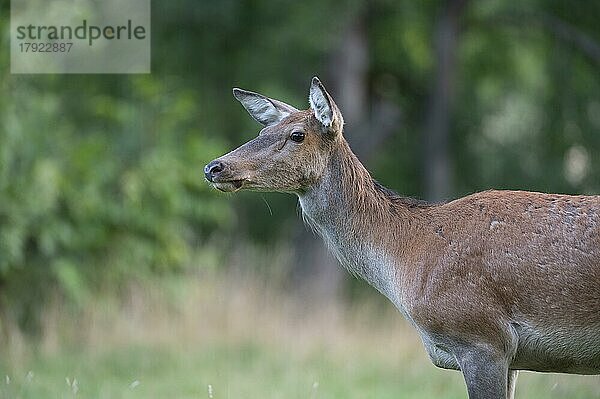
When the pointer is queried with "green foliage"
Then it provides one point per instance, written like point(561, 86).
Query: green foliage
point(97, 193)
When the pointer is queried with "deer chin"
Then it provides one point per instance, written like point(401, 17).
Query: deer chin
point(229, 186)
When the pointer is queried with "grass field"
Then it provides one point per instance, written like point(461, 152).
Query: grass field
point(194, 341)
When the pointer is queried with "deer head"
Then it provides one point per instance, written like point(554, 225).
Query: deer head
point(290, 153)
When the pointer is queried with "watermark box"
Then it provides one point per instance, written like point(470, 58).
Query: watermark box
point(80, 36)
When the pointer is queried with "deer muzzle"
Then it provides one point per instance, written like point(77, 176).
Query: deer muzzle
point(215, 173)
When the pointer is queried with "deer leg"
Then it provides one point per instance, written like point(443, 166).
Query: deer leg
point(485, 373)
point(512, 382)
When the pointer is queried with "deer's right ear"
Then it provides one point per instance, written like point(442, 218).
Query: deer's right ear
point(324, 108)
point(265, 110)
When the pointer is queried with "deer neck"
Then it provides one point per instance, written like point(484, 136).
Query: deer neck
point(360, 223)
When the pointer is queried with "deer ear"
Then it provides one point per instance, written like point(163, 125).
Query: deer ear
point(324, 108)
point(265, 110)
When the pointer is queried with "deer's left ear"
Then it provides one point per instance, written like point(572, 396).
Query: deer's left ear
point(324, 108)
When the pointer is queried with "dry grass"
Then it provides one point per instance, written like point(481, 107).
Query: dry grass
point(226, 309)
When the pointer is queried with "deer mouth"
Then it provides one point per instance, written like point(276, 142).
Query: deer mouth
point(228, 186)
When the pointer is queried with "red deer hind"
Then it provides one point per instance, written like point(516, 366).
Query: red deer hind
point(495, 282)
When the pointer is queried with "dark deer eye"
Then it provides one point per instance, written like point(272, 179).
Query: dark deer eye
point(298, 137)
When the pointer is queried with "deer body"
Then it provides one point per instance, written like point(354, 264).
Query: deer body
point(424, 259)
point(494, 282)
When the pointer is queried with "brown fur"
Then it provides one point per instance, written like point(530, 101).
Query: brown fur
point(523, 257)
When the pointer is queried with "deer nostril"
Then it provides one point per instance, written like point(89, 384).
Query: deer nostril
point(216, 168)
point(212, 169)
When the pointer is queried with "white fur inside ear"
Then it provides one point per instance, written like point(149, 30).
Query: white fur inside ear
point(263, 110)
point(320, 106)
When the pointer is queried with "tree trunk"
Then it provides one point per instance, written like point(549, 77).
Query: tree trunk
point(437, 162)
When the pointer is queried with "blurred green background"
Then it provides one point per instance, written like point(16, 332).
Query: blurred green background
point(122, 274)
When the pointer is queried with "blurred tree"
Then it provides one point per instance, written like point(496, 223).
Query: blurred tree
point(97, 192)
point(436, 158)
